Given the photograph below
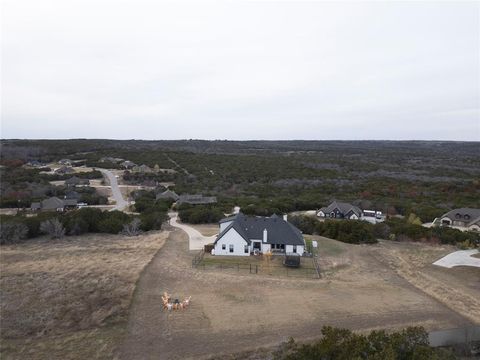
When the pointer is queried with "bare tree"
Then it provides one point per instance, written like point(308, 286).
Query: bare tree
point(12, 232)
point(53, 227)
point(133, 228)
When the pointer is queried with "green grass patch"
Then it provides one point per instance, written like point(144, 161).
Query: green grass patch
point(326, 247)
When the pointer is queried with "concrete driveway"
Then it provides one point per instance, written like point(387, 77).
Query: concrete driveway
point(459, 258)
point(196, 240)
point(120, 203)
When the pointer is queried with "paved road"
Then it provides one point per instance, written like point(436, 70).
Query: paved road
point(120, 203)
point(196, 240)
point(459, 258)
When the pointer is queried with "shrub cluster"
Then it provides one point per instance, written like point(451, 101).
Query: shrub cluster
point(349, 231)
point(401, 229)
point(75, 222)
point(153, 213)
point(343, 344)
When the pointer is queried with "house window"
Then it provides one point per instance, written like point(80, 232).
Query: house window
point(224, 247)
point(245, 249)
point(230, 248)
point(294, 248)
point(282, 246)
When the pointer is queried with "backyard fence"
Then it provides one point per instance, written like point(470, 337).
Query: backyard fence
point(198, 258)
point(198, 262)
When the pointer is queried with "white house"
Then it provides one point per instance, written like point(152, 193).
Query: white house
point(242, 235)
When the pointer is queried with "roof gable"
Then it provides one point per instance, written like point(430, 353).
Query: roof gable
point(463, 214)
point(279, 231)
point(52, 203)
point(342, 207)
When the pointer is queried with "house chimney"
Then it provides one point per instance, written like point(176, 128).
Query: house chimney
point(265, 235)
point(285, 216)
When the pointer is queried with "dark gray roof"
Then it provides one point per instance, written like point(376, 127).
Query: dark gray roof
point(344, 208)
point(467, 215)
point(65, 170)
point(75, 180)
point(196, 199)
point(128, 163)
point(279, 231)
point(72, 195)
point(52, 203)
point(70, 202)
point(168, 194)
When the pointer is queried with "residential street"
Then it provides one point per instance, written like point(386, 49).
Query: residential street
point(120, 203)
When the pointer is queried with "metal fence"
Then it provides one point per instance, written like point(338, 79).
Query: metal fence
point(255, 269)
point(198, 258)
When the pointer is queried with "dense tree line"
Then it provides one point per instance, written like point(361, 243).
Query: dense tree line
point(153, 213)
point(16, 228)
point(357, 232)
point(147, 178)
point(343, 344)
point(274, 177)
point(200, 214)
point(349, 231)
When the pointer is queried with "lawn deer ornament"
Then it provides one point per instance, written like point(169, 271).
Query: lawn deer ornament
point(186, 302)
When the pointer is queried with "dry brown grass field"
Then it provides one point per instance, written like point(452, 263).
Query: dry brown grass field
point(363, 288)
point(69, 298)
point(79, 297)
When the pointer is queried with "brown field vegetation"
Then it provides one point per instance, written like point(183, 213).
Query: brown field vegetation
point(359, 290)
point(69, 298)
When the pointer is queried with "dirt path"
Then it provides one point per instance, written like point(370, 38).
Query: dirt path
point(231, 312)
point(177, 165)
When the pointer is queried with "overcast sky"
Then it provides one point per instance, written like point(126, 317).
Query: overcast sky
point(240, 70)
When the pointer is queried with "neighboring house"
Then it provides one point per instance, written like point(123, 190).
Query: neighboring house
point(128, 164)
point(196, 199)
point(66, 162)
point(242, 235)
point(142, 169)
point(465, 219)
point(340, 210)
point(64, 170)
point(35, 163)
point(168, 194)
point(69, 195)
point(54, 204)
point(75, 181)
point(110, 159)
